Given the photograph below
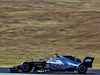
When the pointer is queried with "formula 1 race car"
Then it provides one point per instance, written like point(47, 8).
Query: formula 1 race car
point(59, 63)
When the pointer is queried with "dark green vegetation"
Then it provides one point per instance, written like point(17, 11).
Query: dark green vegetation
point(40, 28)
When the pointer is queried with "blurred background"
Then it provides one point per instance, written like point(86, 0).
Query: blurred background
point(41, 28)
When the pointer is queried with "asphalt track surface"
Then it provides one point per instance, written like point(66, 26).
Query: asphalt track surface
point(5, 71)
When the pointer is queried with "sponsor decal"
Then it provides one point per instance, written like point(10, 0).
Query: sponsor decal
point(57, 66)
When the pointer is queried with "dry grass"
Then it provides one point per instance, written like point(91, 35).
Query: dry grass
point(40, 28)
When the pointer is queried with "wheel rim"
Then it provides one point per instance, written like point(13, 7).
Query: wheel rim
point(82, 68)
point(25, 67)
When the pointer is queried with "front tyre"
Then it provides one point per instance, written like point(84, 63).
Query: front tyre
point(82, 69)
point(26, 67)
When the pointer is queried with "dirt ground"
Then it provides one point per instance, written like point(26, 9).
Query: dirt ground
point(40, 28)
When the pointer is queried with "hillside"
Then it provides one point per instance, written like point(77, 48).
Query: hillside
point(40, 28)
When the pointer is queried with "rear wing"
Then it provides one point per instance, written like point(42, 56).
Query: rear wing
point(88, 61)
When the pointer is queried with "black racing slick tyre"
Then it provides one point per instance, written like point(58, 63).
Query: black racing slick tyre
point(26, 67)
point(82, 69)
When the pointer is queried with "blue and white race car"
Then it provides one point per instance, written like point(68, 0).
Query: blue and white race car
point(59, 63)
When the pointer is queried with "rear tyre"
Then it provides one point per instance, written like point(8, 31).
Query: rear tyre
point(26, 67)
point(82, 69)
